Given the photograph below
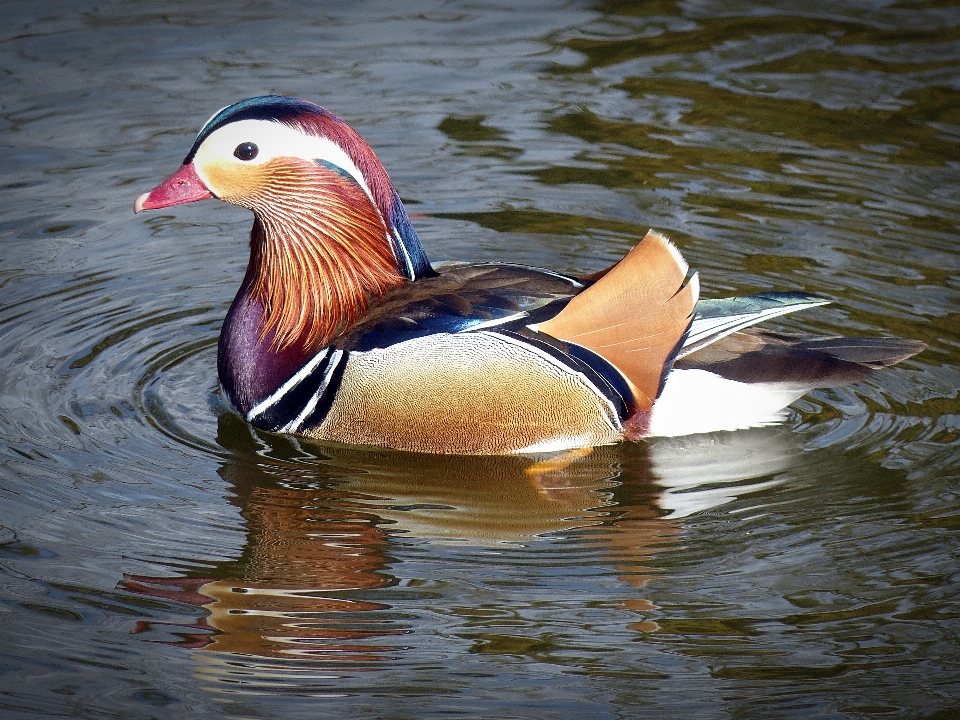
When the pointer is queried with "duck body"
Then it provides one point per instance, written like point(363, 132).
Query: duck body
point(448, 362)
point(343, 331)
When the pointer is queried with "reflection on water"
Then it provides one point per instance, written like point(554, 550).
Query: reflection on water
point(320, 529)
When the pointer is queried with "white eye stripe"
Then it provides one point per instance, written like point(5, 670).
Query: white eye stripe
point(273, 140)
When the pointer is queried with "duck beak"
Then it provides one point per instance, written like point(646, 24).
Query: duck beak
point(182, 187)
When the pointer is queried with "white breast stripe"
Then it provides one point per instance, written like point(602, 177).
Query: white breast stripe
point(294, 425)
point(288, 385)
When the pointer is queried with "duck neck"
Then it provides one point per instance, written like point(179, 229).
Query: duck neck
point(317, 260)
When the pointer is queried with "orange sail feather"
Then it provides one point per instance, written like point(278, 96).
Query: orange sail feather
point(635, 315)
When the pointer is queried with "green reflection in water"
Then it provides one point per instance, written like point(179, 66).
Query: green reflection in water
point(634, 8)
point(477, 138)
point(528, 220)
point(823, 60)
point(907, 128)
point(664, 152)
point(794, 672)
point(723, 627)
point(708, 33)
point(469, 129)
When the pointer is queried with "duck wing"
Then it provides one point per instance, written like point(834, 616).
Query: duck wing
point(717, 318)
point(635, 315)
point(462, 298)
point(627, 323)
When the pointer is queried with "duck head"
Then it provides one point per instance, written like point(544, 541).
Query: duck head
point(330, 233)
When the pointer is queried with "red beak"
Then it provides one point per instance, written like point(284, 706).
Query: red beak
point(182, 187)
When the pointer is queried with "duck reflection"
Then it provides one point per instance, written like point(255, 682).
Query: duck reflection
point(321, 522)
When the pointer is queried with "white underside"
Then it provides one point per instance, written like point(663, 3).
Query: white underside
point(697, 401)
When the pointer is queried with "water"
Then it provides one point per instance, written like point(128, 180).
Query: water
point(160, 559)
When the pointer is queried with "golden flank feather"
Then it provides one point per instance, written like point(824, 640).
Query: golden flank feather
point(319, 252)
point(634, 315)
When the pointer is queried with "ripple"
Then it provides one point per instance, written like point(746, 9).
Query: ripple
point(168, 394)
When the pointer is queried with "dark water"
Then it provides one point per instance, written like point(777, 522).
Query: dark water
point(160, 559)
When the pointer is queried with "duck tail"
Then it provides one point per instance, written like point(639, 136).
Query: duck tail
point(749, 377)
point(760, 356)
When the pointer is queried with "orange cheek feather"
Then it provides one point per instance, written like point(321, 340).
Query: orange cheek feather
point(236, 183)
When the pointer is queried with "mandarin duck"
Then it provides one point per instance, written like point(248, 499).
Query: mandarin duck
point(343, 331)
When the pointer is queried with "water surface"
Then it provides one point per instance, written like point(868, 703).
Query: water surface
point(158, 558)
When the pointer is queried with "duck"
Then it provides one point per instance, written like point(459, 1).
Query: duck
point(343, 331)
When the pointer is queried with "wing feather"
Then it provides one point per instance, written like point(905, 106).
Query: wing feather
point(635, 316)
point(715, 319)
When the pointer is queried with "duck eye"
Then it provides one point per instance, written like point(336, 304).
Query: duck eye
point(246, 151)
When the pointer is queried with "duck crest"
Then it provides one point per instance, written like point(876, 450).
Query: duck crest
point(318, 255)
